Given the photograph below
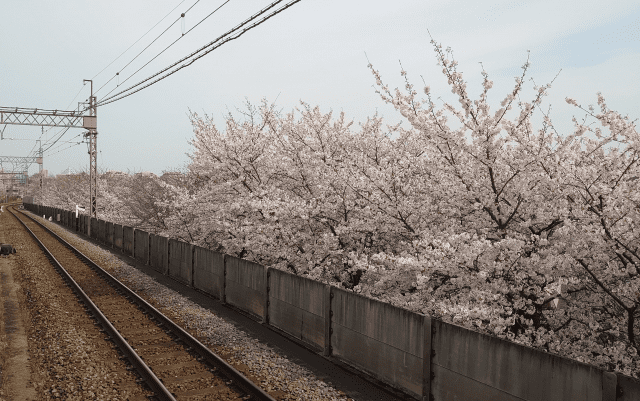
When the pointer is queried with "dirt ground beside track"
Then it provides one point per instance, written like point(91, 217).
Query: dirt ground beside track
point(49, 347)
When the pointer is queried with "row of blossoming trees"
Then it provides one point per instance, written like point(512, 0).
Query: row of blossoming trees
point(525, 234)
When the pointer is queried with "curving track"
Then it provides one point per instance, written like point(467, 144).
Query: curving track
point(172, 363)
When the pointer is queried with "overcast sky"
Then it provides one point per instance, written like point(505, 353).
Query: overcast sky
point(314, 51)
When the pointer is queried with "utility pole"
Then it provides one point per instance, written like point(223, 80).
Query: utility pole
point(40, 163)
point(93, 153)
point(56, 118)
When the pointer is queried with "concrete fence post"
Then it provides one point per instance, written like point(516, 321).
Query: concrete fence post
point(223, 290)
point(427, 330)
point(328, 330)
point(609, 386)
point(193, 267)
point(265, 319)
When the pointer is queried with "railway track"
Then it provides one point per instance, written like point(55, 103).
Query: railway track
point(173, 364)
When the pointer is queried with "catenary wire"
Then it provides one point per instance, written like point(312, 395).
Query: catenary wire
point(33, 150)
point(67, 148)
point(62, 143)
point(115, 97)
point(59, 137)
point(142, 51)
point(197, 51)
point(116, 59)
point(165, 49)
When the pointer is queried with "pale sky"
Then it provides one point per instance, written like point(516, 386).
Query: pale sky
point(314, 52)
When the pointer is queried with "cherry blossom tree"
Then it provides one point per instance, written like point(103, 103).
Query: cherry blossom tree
point(529, 213)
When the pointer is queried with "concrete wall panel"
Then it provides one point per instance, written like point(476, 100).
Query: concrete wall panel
point(630, 388)
point(94, 228)
point(102, 231)
point(127, 240)
point(381, 339)
point(246, 285)
point(117, 236)
point(141, 246)
point(473, 366)
point(159, 253)
point(296, 306)
point(208, 271)
point(108, 228)
point(180, 261)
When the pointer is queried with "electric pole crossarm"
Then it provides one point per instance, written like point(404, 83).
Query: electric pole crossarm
point(22, 163)
point(50, 118)
point(17, 160)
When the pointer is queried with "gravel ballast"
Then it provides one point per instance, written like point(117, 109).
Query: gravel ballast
point(282, 378)
point(68, 356)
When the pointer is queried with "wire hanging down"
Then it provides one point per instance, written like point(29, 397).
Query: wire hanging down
point(227, 37)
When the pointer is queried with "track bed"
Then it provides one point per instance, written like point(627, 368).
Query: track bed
point(173, 364)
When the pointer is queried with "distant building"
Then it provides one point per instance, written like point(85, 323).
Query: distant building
point(68, 171)
point(146, 174)
point(115, 173)
point(172, 177)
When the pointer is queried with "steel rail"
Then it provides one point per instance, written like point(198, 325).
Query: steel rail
point(209, 356)
point(149, 377)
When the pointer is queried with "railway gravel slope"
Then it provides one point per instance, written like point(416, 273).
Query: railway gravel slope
point(280, 377)
point(183, 372)
point(68, 356)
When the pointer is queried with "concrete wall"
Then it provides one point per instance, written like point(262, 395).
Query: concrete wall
point(142, 246)
point(117, 236)
point(180, 261)
point(208, 272)
point(297, 307)
point(94, 228)
point(424, 357)
point(127, 240)
point(378, 338)
point(102, 231)
point(473, 366)
point(159, 253)
point(246, 286)
point(630, 388)
point(108, 233)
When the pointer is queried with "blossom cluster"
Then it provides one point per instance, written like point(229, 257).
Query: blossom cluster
point(524, 234)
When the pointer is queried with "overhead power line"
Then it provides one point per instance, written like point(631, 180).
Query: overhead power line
point(149, 45)
point(33, 150)
point(200, 52)
point(145, 34)
point(55, 141)
point(163, 50)
point(67, 148)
